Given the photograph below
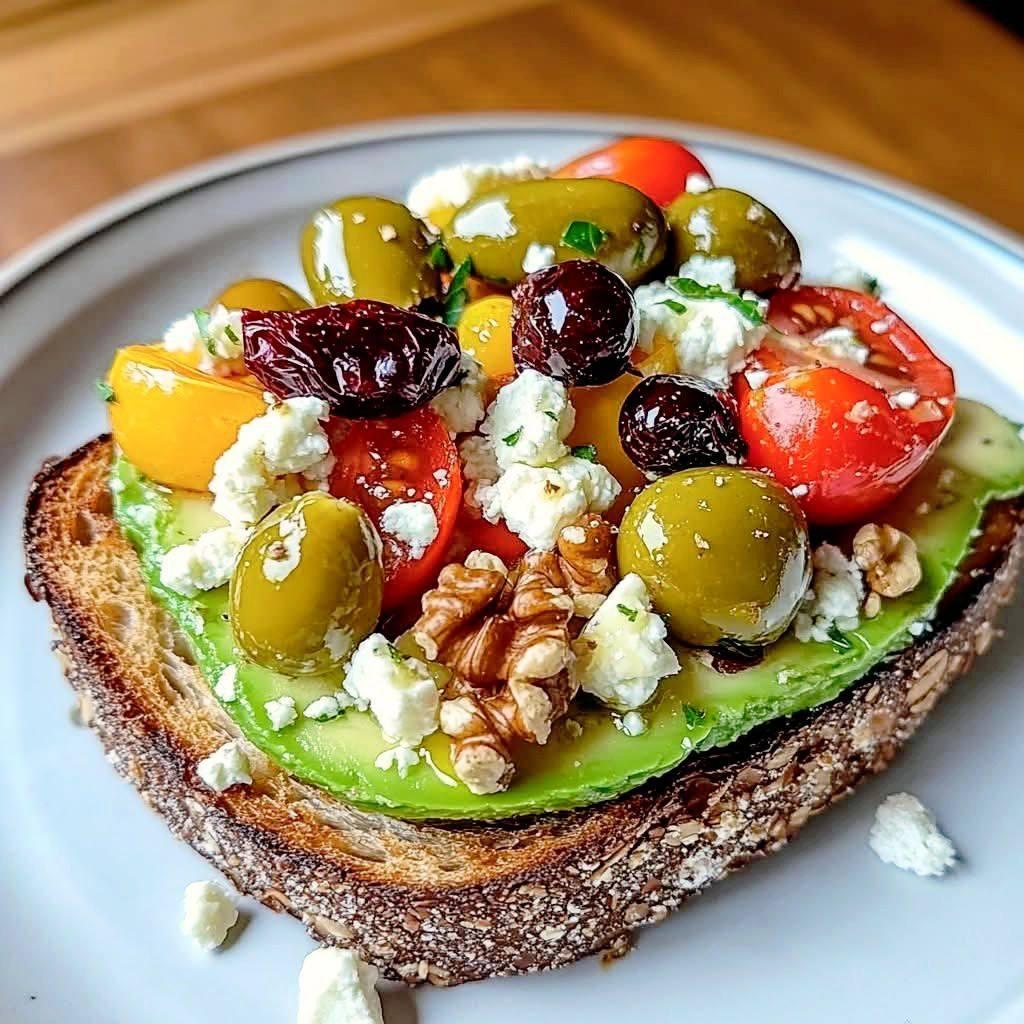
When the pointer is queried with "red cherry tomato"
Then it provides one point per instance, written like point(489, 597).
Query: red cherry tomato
point(657, 167)
point(845, 436)
point(408, 458)
point(477, 534)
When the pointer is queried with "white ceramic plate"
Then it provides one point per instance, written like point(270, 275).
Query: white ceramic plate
point(91, 881)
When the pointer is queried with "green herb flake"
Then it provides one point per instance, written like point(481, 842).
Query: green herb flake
point(838, 638)
point(674, 305)
point(584, 237)
point(639, 252)
point(395, 654)
point(551, 415)
point(202, 319)
point(872, 287)
point(232, 336)
point(694, 716)
point(437, 256)
point(630, 613)
point(513, 438)
point(690, 289)
point(585, 451)
point(457, 294)
point(105, 391)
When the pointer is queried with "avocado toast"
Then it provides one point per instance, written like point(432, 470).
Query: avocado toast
point(478, 633)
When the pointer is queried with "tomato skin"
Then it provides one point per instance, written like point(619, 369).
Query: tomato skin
point(477, 534)
point(657, 167)
point(829, 427)
point(378, 462)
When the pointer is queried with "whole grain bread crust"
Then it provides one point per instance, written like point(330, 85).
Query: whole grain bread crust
point(444, 903)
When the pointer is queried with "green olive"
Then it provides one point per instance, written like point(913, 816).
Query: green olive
point(368, 248)
point(724, 222)
point(262, 293)
point(307, 585)
point(586, 218)
point(724, 552)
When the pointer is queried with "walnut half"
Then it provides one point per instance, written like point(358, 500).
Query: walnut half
point(889, 559)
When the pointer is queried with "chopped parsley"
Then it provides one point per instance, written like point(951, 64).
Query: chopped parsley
point(202, 319)
point(630, 613)
point(585, 451)
point(230, 332)
point(105, 391)
point(455, 297)
point(674, 305)
point(584, 237)
point(438, 258)
point(690, 289)
point(838, 638)
point(551, 415)
point(694, 716)
point(639, 252)
point(395, 654)
point(513, 438)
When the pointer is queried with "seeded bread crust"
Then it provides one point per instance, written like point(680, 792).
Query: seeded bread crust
point(452, 903)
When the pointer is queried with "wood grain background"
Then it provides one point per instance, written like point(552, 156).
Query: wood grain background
point(99, 95)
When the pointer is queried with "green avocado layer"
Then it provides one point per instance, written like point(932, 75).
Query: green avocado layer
point(587, 758)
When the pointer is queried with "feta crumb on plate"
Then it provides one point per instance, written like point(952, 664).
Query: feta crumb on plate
point(336, 987)
point(622, 653)
point(906, 835)
point(412, 523)
point(209, 914)
point(227, 766)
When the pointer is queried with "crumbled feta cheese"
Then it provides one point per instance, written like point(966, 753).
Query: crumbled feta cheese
point(252, 476)
point(800, 490)
point(843, 343)
point(479, 468)
point(905, 834)
point(834, 599)
point(538, 502)
point(861, 412)
point(697, 182)
point(387, 232)
point(282, 558)
point(216, 336)
point(529, 420)
point(632, 723)
point(702, 228)
point(227, 766)
point(336, 987)
point(537, 257)
point(846, 276)
point(622, 654)
point(398, 689)
point(709, 270)
point(905, 399)
point(451, 187)
point(399, 759)
point(462, 406)
point(412, 523)
point(574, 535)
point(711, 338)
point(226, 687)
point(329, 706)
point(281, 712)
point(652, 533)
point(204, 563)
point(756, 378)
point(209, 914)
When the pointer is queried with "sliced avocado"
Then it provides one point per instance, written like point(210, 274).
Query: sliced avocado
point(588, 759)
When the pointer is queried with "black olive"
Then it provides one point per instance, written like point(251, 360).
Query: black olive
point(672, 421)
point(576, 321)
point(366, 359)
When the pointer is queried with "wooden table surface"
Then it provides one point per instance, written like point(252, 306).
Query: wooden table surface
point(97, 96)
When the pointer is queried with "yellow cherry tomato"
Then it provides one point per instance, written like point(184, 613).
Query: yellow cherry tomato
point(485, 331)
point(597, 423)
point(661, 358)
point(173, 422)
point(262, 293)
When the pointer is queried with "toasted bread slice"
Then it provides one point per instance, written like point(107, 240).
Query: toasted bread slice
point(452, 903)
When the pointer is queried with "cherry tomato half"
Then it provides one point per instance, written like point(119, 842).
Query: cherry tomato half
point(846, 436)
point(657, 167)
point(477, 534)
point(408, 458)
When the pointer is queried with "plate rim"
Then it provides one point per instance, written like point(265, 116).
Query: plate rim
point(60, 241)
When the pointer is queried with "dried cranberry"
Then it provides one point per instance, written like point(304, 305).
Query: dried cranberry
point(576, 321)
point(365, 359)
point(672, 421)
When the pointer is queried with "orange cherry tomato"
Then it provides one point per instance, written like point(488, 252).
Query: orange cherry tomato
point(846, 436)
point(409, 458)
point(657, 167)
point(173, 422)
point(597, 423)
point(477, 534)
